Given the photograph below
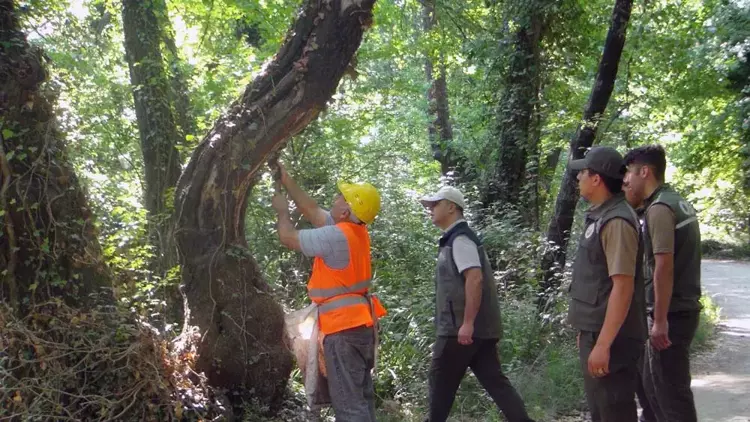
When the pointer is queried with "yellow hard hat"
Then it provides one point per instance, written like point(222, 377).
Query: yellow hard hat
point(363, 198)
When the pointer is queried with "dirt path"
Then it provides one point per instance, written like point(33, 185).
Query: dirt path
point(721, 380)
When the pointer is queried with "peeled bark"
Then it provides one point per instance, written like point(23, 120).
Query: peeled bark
point(156, 124)
point(48, 243)
point(558, 232)
point(515, 114)
point(440, 131)
point(243, 345)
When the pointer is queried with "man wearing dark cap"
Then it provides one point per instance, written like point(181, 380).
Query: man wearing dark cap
point(607, 293)
point(467, 314)
point(671, 238)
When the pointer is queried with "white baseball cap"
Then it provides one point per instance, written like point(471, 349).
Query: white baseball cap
point(446, 192)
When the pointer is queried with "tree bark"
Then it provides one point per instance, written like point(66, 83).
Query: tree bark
point(516, 110)
point(48, 243)
point(142, 22)
point(558, 232)
point(243, 345)
point(178, 81)
point(548, 170)
point(440, 131)
point(156, 124)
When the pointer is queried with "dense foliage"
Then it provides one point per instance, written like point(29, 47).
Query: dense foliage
point(684, 82)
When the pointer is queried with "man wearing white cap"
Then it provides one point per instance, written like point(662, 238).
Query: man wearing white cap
point(467, 314)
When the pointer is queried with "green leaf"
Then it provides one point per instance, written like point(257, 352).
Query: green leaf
point(7, 133)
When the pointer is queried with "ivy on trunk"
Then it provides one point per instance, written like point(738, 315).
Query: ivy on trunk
point(48, 243)
point(156, 123)
point(516, 110)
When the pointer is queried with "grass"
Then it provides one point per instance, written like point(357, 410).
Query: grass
point(706, 332)
point(717, 249)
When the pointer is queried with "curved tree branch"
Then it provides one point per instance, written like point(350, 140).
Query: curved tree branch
point(243, 345)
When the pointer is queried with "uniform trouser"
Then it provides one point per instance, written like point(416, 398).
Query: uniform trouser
point(611, 398)
point(350, 357)
point(449, 363)
point(665, 393)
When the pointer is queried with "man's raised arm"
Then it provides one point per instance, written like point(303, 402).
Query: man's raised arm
point(316, 215)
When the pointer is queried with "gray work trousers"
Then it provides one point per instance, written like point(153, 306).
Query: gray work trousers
point(350, 357)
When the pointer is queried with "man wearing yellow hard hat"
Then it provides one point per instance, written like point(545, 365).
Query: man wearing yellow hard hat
point(340, 284)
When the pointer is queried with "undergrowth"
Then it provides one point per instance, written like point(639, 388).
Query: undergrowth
point(64, 364)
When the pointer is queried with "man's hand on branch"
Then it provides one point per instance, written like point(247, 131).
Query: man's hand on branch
point(283, 175)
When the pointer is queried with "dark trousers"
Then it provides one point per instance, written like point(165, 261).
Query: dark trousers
point(449, 363)
point(612, 398)
point(350, 356)
point(665, 393)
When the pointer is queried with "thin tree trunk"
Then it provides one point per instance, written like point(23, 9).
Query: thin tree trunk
point(48, 243)
point(243, 345)
point(558, 232)
point(548, 169)
point(158, 131)
point(440, 131)
point(516, 110)
point(531, 194)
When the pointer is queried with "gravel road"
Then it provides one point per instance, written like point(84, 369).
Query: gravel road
point(721, 377)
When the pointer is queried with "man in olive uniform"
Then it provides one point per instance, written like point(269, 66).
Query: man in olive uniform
point(607, 292)
point(671, 240)
point(467, 315)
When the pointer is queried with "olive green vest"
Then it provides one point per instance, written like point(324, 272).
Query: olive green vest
point(450, 294)
point(591, 286)
point(686, 291)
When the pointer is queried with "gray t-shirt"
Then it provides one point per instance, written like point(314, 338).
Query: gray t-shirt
point(327, 242)
point(465, 252)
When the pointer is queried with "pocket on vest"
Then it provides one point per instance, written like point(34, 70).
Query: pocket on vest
point(450, 316)
point(587, 292)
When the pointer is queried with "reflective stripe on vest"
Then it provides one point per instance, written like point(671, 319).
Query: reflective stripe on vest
point(322, 294)
point(685, 223)
point(342, 302)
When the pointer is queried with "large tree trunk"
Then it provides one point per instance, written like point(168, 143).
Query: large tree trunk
point(178, 81)
point(156, 124)
point(515, 113)
point(243, 343)
point(142, 22)
point(558, 232)
point(440, 131)
point(48, 243)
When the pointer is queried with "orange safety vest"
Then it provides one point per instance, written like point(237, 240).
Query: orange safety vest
point(342, 294)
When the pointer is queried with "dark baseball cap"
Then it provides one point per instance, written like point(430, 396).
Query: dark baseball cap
point(603, 160)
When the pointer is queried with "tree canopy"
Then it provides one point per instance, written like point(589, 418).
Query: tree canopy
point(143, 131)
